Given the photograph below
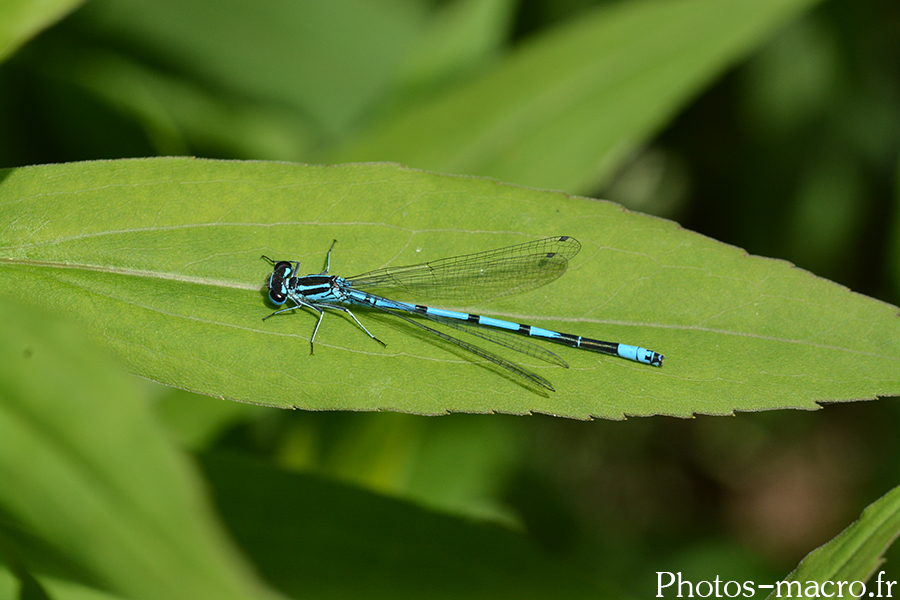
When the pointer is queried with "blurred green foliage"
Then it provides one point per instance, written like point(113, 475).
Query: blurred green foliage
point(793, 153)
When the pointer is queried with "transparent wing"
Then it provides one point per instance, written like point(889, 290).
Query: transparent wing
point(504, 338)
point(474, 277)
point(498, 360)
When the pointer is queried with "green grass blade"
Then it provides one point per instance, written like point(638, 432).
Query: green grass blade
point(89, 478)
point(853, 556)
point(160, 259)
point(566, 108)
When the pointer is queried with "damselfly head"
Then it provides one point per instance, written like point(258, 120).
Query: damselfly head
point(283, 270)
point(278, 282)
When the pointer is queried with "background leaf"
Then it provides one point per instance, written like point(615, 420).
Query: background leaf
point(184, 304)
point(592, 90)
point(307, 533)
point(854, 555)
point(285, 52)
point(426, 84)
point(93, 491)
point(22, 19)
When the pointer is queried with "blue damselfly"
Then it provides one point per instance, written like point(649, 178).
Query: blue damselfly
point(468, 278)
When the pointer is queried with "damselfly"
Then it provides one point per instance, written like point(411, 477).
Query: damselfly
point(468, 278)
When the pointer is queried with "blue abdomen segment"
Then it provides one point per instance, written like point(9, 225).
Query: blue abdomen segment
point(642, 355)
point(545, 333)
point(498, 323)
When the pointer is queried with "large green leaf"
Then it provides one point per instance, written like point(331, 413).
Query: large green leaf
point(850, 558)
point(91, 485)
point(160, 258)
point(563, 110)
